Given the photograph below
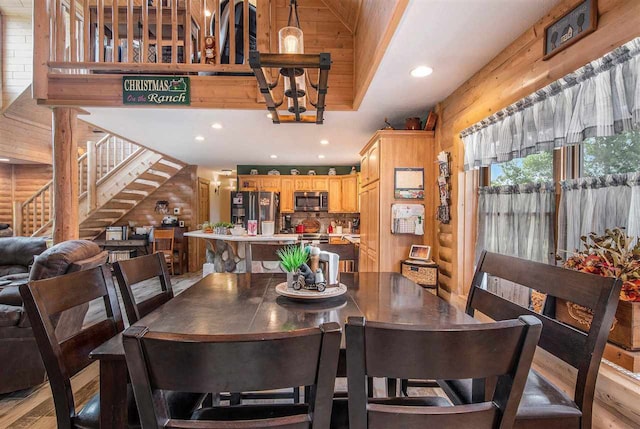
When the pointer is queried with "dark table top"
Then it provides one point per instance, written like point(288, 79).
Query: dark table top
point(243, 303)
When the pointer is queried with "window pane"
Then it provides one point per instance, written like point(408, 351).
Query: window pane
point(611, 155)
point(535, 168)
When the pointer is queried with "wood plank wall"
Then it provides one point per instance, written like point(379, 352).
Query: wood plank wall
point(18, 182)
point(323, 32)
point(515, 73)
point(180, 191)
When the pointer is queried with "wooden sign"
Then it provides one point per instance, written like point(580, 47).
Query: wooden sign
point(570, 27)
point(156, 90)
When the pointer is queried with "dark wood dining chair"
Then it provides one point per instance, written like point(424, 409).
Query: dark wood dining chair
point(136, 270)
point(502, 351)
point(543, 404)
point(44, 300)
point(163, 242)
point(245, 362)
point(347, 253)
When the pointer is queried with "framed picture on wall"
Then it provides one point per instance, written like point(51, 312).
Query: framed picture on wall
point(409, 183)
point(570, 27)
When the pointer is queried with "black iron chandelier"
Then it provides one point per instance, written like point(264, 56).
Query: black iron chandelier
point(293, 65)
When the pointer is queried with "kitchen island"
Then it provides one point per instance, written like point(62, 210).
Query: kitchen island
point(232, 253)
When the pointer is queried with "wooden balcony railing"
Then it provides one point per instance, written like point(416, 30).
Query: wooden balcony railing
point(162, 36)
point(102, 159)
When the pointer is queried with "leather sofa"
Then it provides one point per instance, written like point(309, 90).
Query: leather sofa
point(16, 257)
point(20, 364)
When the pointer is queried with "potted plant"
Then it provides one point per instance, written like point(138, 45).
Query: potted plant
point(222, 228)
point(291, 257)
point(613, 254)
point(207, 228)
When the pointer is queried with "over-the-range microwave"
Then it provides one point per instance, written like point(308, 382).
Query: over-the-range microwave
point(311, 201)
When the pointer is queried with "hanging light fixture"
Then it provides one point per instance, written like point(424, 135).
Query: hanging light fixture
point(292, 63)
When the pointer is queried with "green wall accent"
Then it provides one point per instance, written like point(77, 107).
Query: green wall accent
point(304, 169)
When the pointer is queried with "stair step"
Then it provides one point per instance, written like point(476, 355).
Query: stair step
point(150, 176)
point(166, 168)
point(96, 224)
point(108, 213)
point(137, 186)
point(135, 197)
point(118, 205)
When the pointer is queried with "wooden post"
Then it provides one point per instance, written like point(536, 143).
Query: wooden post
point(41, 46)
point(17, 218)
point(92, 176)
point(65, 175)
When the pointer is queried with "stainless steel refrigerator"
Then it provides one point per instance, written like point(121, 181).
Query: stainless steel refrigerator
point(260, 206)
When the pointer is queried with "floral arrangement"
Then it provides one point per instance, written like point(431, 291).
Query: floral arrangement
point(613, 254)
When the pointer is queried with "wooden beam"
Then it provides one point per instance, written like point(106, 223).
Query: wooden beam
point(65, 175)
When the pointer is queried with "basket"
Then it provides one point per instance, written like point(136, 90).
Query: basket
point(422, 274)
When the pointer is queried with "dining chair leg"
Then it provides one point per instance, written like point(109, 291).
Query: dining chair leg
point(236, 399)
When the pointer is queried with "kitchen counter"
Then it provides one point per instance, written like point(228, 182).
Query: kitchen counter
point(244, 238)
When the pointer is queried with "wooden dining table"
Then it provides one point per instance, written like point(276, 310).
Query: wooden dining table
point(226, 303)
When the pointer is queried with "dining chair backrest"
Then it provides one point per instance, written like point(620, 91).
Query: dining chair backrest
point(346, 252)
point(63, 358)
point(233, 363)
point(582, 350)
point(502, 350)
point(132, 271)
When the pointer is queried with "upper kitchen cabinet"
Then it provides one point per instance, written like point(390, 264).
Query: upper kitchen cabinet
point(335, 194)
point(349, 191)
point(270, 183)
point(286, 194)
point(370, 163)
point(303, 184)
point(320, 183)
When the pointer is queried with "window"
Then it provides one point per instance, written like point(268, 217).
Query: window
point(535, 168)
point(611, 155)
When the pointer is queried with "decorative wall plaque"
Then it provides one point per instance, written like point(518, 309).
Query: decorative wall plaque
point(570, 27)
point(156, 90)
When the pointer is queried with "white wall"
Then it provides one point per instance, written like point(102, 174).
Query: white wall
point(17, 53)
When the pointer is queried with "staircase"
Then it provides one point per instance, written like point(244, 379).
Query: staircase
point(115, 176)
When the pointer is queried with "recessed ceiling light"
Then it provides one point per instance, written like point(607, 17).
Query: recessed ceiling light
point(324, 141)
point(270, 115)
point(200, 138)
point(216, 126)
point(4, 160)
point(321, 156)
point(421, 71)
point(273, 156)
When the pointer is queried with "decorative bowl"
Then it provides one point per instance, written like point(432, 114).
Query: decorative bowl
point(238, 231)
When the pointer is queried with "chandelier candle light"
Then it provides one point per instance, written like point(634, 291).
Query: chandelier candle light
point(292, 62)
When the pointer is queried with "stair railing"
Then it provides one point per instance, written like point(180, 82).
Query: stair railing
point(101, 160)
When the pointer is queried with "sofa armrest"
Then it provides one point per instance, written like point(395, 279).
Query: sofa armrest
point(10, 295)
point(10, 315)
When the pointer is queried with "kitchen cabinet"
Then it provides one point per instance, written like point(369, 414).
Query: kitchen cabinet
point(320, 184)
point(349, 194)
point(286, 195)
point(248, 183)
point(370, 163)
point(343, 190)
point(335, 194)
point(389, 149)
point(303, 184)
point(269, 183)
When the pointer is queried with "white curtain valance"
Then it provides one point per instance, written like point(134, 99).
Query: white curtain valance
point(600, 99)
point(593, 204)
